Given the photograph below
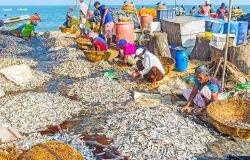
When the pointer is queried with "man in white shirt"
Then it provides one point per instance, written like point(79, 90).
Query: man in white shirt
point(149, 66)
point(84, 12)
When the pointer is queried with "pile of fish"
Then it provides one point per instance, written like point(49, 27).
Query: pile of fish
point(157, 133)
point(55, 39)
point(11, 47)
point(7, 62)
point(36, 138)
point(175, 84)
point(102, 65)
point(28, 112)
point(239, 124)
point(74, 69)
point(99, 90)
point(64, 54)
point(10, 87)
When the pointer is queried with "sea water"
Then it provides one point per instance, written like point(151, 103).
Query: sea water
point(54, 16)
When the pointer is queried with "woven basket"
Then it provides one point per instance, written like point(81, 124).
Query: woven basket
point(95, 56)
point(68, 30)
point(222, 112)
point(52, 151)
point(83, 41)
point(10, 153)
point(168, 64)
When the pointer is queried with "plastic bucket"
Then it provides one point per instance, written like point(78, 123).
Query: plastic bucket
point(172, 50)
point(181, 58)
point(146, 19)
point(125, 30)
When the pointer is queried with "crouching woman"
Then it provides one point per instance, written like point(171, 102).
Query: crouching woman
point(205, 91)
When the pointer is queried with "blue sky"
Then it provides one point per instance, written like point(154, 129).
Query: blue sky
point(108, 2)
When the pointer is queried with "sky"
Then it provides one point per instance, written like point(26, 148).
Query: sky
point(114, 2)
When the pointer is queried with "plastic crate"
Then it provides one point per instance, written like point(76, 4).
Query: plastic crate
point(214, 26)
point(242, 33)
point(166, 14)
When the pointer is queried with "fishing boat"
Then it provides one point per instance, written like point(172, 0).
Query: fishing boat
point(15, 23)
point(7, 9)
point(22, 9)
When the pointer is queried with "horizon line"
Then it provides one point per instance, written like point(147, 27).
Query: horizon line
point(107, 4)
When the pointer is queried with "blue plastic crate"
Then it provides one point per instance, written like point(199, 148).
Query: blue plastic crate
point(166, 14)
point(239, 29)
point(242, 33)
point(214, 26)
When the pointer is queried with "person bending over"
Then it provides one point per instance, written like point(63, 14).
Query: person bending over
point(128, 50)
point(149, 66)
point(205, 91)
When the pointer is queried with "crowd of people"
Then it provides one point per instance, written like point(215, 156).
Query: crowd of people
point(207, 9)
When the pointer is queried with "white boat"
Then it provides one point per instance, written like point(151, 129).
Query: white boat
point(15, 23)
point(22, 9)
point(7, 9)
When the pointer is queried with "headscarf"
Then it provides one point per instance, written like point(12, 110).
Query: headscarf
point(121, 43)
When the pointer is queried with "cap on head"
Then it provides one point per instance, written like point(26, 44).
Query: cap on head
point(71, 9)
point(138, 52)
point(208, 2)
point(202, 69)
point(121, 43)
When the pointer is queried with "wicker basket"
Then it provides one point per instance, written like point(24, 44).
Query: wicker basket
point(83, 41)
point(222, 112)
point(95, 56)
point(168, 64)
point(68, 30)
point(52, 151)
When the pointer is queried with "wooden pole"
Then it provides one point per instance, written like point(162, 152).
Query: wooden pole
point(175, 3)
point(77, 12)
point(227, 45)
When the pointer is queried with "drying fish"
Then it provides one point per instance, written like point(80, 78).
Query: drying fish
point(75, 68)
point(64, 54)
point(102, 65)
point(57, 40)
point(157, 133)
point(7, 62)
point(175, 84)
point(31, 140)
point(28, 112)
point(10, 87)
point(99, 90)
point(11, 47)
